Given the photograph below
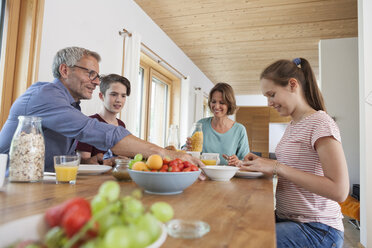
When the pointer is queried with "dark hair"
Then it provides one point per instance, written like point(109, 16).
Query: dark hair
point(107, 80)
point(282, 70)
point(227, 96)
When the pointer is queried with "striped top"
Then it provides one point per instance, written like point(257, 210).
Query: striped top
point(296, 149)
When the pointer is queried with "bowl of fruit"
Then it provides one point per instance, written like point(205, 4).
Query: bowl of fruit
point(163, 176)
point(108, 220)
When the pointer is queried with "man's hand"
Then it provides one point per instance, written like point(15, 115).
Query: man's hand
point(97, 159)
point(111, 161)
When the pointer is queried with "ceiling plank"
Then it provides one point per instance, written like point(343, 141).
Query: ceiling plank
point(234, 40)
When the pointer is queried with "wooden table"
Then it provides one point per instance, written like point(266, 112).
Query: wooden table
point(240, 212)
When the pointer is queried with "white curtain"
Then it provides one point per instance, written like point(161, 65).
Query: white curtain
point(130, 114)
point(184, 114)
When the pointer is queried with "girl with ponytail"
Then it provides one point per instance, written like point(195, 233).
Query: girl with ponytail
point(311, 167)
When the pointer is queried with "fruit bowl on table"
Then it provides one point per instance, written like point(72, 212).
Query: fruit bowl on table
point(220, 172)
point(164, 183)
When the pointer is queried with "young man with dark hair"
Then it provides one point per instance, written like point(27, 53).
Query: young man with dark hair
point(114, 90)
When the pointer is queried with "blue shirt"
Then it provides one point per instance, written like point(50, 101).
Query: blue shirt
point(234, 141)
point(62, 122)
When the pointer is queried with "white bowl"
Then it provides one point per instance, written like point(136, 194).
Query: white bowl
point(220, 172)
point(164, 183)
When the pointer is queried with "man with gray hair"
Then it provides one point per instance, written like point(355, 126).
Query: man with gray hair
point(76, 73)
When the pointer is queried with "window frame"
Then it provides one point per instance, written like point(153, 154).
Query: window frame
point(19, 65)
point(152, 68)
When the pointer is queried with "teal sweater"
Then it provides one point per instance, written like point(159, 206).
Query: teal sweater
point(234, 141)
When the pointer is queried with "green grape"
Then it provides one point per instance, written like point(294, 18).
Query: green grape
point(162, 211)
point(137, 193)
point(108, 221)
point(138, 157)
point(140, 238)
point(118, 237)
point(110, 190)
point(93, 243)
point(150, 224)
point(33, 246)
point(131, 163)
point(55, 237)
point(133, 209)
point(98, 203)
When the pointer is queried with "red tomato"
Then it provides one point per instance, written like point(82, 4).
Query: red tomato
point(75, 219)
point(72, 203)
point(164, 167)
point(166, 160)
point(179, 161)
point(173, 163)
point(181, 165)
point(194, 168)
point(153, 170)
point(186, 169)
point(53, 216)
point(175, 169)
point(187, 164)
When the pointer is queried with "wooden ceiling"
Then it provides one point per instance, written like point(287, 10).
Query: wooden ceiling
point(234, 40)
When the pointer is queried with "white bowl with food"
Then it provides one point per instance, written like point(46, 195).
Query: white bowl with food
point(220, 172)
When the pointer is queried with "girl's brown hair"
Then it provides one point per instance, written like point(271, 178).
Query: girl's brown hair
point(227, 96)
point(282, 70)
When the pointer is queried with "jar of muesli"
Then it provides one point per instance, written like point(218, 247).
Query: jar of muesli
point(27, 151)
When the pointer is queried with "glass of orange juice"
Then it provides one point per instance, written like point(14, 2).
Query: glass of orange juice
point(66, 167)
point(210, 158)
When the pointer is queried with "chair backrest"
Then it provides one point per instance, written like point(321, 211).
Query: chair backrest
point(257, 153)
point(272, 155)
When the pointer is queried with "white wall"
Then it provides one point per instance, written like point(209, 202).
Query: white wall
point(276, 131)
point(94, 24)
point(340, 89)
point(251, 100)
point(365, 87)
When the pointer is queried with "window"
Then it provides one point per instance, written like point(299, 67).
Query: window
point(20, 37)
point(159, 109)
point(160, 101)
point(206, 110)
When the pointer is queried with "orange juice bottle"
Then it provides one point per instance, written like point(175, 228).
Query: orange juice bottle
point(197, 138)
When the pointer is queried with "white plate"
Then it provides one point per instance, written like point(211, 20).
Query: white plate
point(248, 174)
point(92, 169)
point(34, 228)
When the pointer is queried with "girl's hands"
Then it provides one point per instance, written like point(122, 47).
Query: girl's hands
point(253, 162)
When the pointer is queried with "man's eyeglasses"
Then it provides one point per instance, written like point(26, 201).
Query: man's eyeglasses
point(91, 74)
